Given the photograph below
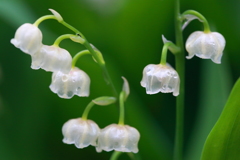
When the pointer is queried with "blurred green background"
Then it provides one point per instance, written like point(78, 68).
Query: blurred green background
point(128, 33)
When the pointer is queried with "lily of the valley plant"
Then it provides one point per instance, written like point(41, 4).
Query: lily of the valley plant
point(69, 80)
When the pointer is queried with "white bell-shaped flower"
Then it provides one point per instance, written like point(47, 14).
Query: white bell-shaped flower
point(52, 58)
point(116, 137)
point(160, 78)
point(80, 132)
point(28, 38)
point(206, 45)
point(76, 82)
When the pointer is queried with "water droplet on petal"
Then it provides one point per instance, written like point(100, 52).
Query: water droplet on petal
point(60, 92)
point(164, 87)
point(69, 93)
point(78, 88)
point(64, 78)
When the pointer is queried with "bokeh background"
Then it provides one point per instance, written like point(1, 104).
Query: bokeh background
point(128, 33)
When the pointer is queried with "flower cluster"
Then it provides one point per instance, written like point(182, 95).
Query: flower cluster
point(119, 137)
point(204, 44)
point(67, 80)
point(83, 133)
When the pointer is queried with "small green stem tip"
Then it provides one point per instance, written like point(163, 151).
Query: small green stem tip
point(172, 47)
point(115, 155)
point(87, 110)
point(121, 103)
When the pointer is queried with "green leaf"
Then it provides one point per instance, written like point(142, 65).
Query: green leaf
point(223, 142)
point(104, 101)
point(214, 80)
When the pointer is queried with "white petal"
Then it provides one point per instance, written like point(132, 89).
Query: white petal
point(80, 132)
point(206, 45)
point(160, 78)
point(28, 38)
point(121, 138)
point(77, 82)
point(53, 59)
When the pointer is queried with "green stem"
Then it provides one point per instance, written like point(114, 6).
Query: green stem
point(132, 156)
point(200, 17)
point(99, 59)
point(164, 53)
point(115, 155)
point(180, 68)
point(43, 18)
point(62, 37)
point(86, 111)
point(78, 55)
point(102, 65)
point(172, 47)
point(121, 103)
point(72, 28)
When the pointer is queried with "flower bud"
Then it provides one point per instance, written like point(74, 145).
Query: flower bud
point(121, 138)
point(28, 38)
point(57, 15)
point(52, 58)
point(206, 45)
point(160, 78)
point(80, 132)
point(76, 82)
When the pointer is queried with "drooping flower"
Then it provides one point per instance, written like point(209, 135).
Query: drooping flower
point(28, 38)
point(206, 45)
point(160, 78)
point(80, 132)
point(76, 82)
point(117, 137)
point(52, 58)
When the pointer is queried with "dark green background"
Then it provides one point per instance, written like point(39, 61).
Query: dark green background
point(128, 33)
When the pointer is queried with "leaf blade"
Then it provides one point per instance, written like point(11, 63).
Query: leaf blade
point(223, 141)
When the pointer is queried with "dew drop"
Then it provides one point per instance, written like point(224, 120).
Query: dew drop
point(78, 88)
point(64, 78)
point(60, 92)
point(69, 93)
point(164, 87)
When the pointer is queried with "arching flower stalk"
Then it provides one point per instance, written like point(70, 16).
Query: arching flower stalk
point(119, 137)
